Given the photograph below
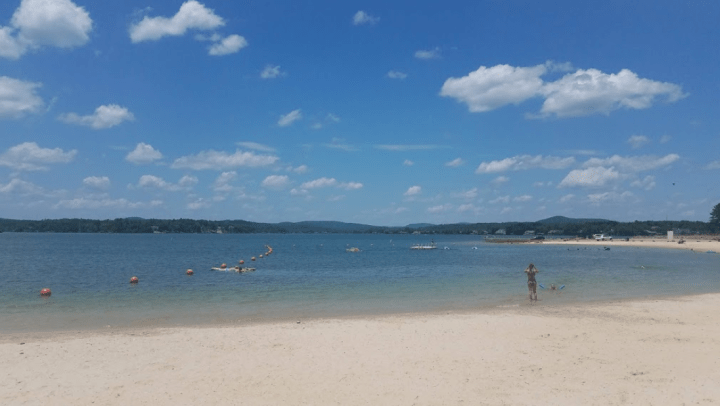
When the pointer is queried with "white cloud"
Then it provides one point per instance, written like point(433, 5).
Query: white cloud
point(319, 183)
point(523, 198)
point(229, 45)
point(489, 88)
point(598, 198)
point(393, 74)
point(455, 163)
point(104, 117)
point(407, 147)
point(335, 198)
point(638, 141)
point(271, 72)
point(500, 180)
point(92, 203)
point(413, 191)
point(200, 203)
point(222, 183)
point(581, 93)
point(21, 187)
point(300, 169)
point(38, 23)
point(542, 184)
point(591, 177)
point(289, 118)
point(28, 156)
point(713, 165)
point(298, 192)
point(143, 154)
point(255, 146)
point(524, 162)
point(467, 194)
point(665, 138)
point(428, 54)
point(155, 182)
point(97, 182)
point(633, 163)
point(362, 17)
point(338, 143)
point(351, 185)
point(276, 181)
point(408, 162)
point(191, 16)
point(647, 183)
point(591, 91)
point(440, 208)
point(220, 160)
point(468, 207)
point(566, 198)
point(500, 199)
point(18, 98)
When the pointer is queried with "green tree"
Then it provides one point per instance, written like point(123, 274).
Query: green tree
point(715, 215)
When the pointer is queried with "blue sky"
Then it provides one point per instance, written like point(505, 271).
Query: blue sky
point(383, 113)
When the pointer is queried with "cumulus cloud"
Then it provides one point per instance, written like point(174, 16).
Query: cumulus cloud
point(408, 162)
point(199, 203)
point(289, 118)
point(407, 147)
point(524, 162)
point(255, 146)
point(362, 17)
point(500, 180)
point(191, 16)
point(591, 177)
point(339, 143)
point(413, 191)
point(633, 163)
point(38, 23)
point(713, 165)
point(647, 183)
point(319, 183)
point(17, 97)
point(393, 74)
point(351, 185)
point(467, 194)
point(104, 117)
point(440, 208)
point(143, 154)
point(598, 198)
point(220, 160)
point(582, 93)
point(21, 187)
point(28, 156)
point(455, 163)
point(500, 199)
point(299, 169)
point(228, 45)
point(271, 72)
point(97, 182)
point(335, 198)
point(299, 192)
point(523, 198)
point(222, 183)
point(638, 141)
point(665, 138)
point(103, 203)
point(276, 181)
point(428, 54)
point(156, 182)
point(566, 198)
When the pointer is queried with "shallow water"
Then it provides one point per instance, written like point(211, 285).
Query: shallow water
point(310, 276)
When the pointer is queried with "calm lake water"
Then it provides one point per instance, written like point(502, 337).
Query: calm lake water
point(310, 276)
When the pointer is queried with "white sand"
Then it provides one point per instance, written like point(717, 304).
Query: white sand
point(701, 244)
point(637, 353)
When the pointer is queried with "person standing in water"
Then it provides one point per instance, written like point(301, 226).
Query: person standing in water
point(531, 271)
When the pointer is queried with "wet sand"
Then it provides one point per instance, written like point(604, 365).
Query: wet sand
point(630, 352)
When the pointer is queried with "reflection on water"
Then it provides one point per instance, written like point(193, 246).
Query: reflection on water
point(309, 276)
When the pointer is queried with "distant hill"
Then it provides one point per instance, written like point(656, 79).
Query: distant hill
point(419, 225)
point(568, 220)
point(327, 225)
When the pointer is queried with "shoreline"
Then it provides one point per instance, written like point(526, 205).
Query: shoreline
point(634, 352)
point(692, 244)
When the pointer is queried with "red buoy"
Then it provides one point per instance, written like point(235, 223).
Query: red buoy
point(189, 272)
point(223, 266)
point(134, 279)
point(242, 262)
point(45, 292)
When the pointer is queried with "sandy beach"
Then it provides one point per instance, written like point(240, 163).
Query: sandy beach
point(692, 243)
point(630, 352)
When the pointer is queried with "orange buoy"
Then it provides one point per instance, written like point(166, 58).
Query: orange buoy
point(252, 259)
point(241, 262)
point(223, 266)
point(134, 279)
point(189, 272)
point(45, 292)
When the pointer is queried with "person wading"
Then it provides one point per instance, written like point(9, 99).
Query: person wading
point(531, 271)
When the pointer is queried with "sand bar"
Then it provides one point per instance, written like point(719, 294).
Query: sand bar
point(702, 244)
point(631, 352)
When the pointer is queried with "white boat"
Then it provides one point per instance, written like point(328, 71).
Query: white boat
point(426, 246)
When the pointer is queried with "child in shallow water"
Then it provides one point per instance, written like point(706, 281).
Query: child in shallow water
point(531, 271)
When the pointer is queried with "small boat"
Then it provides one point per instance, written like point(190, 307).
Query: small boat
point(426, 246)
point(353, 249)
